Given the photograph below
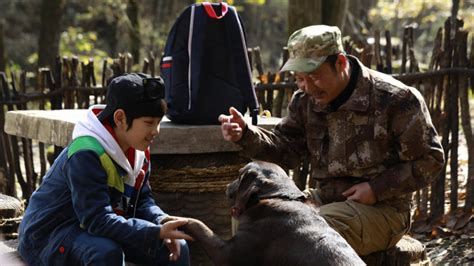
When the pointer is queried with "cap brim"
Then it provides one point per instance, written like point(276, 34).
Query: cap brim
point(105, 113)
point(304, 65)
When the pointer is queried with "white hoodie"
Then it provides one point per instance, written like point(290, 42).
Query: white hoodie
point(91, 126)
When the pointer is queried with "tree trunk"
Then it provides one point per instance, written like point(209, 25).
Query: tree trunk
point(334, 12)
point(48, 44)
point(134, 30)
point(302, 13)
point(2, 49)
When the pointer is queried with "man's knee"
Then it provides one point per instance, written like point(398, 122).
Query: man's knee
point(366, 228)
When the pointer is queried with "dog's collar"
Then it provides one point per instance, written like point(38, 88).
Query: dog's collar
point(300, 198)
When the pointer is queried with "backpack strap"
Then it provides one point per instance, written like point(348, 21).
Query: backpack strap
point(210, 11)
point(234, 24)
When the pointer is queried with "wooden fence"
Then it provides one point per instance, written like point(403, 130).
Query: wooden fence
point(445, 87)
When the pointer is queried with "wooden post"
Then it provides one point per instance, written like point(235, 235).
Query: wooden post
point(388, 53)
point(259, 67)
point(277, 110)
point(269, 96)
point(41, 146)
point(411, 51)
point(377, 51)
point(403, 66)
point(152, 64)
point(4, 167)
point(470, 181)
point(7, 140)
point(465, 115)
point(437, 191)
point(25, 186)
point(104, 74)
point(145, 65)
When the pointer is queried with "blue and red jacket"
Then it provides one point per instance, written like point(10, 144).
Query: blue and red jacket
point(84, 190)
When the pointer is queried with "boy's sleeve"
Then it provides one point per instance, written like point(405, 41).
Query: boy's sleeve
point(146, 206)
point(87, 181)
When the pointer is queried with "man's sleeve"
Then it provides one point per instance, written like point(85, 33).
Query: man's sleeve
point(285, 145)
point(421, 156)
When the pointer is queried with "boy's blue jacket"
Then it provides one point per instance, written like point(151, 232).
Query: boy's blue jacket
point(78, 194)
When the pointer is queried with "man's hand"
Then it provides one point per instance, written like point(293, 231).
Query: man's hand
point(233, 125)
point(169, 229)
point(361, 193)
point(174, 248)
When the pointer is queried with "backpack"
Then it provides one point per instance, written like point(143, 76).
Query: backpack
point(205, 66)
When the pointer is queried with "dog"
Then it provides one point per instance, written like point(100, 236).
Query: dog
point(276, 225)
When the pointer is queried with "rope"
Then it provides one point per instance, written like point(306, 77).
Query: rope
point(211, 179)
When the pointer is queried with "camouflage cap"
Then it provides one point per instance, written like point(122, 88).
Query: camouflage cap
point(309, 47)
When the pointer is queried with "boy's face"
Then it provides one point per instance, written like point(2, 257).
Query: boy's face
point(140, 135)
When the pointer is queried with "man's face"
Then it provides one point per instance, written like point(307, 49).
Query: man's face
point(323, 84)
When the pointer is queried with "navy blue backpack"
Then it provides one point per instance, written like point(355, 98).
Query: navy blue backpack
point(205, 66)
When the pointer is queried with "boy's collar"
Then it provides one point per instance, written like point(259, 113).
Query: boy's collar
point(130, 153)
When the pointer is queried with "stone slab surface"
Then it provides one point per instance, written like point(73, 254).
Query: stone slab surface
point(56, 126)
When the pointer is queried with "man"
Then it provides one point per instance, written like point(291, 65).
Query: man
point(369, 138)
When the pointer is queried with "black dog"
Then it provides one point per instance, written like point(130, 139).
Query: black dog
point(276, 226)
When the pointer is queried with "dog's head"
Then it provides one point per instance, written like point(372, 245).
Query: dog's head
point(260, 180)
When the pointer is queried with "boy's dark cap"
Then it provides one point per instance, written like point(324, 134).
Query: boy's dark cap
point(137, 93)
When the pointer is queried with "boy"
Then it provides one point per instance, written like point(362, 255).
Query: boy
point(95, 205)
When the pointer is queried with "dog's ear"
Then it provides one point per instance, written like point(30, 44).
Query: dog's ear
point(232, 189)
point(245, 188)
point(277, 184)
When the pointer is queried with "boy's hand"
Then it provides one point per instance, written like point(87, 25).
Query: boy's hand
point(169, 229)
point(233, 125)
point(174, 248)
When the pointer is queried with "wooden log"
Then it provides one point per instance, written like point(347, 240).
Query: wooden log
point(408, 251)
point(11, 210)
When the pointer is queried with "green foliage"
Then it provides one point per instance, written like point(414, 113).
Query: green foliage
point(74, 41)
point(426, 15)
